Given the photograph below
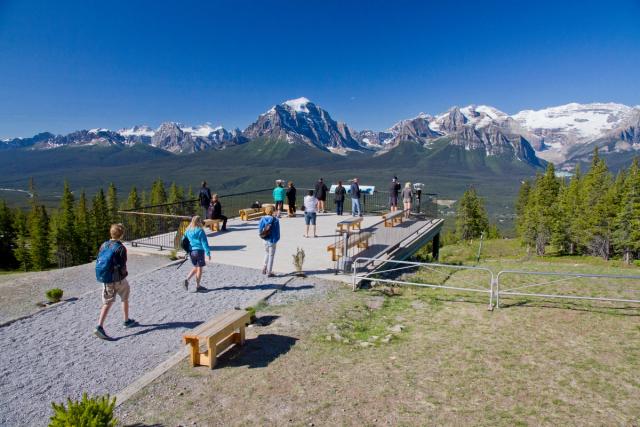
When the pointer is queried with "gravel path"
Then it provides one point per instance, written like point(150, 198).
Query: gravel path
point(20, 292)
point(53, 354)
point(303, 288)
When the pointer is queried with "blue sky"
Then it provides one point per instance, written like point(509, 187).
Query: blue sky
point(78, 65)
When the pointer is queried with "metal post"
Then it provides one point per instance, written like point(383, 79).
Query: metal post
point(435, 250)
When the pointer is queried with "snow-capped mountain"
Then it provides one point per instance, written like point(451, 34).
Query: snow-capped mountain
point(560, 129)
point(301, 121)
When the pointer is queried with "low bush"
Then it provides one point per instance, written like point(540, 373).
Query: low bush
point(54, 295)
point(88, 412)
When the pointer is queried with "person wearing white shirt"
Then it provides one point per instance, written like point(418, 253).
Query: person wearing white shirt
point(310, 209)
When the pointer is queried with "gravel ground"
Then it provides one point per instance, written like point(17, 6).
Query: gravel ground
point(53, 355)
point(20, 292)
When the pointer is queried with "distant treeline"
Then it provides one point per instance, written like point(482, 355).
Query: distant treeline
point(593, 213)
point(71, 235)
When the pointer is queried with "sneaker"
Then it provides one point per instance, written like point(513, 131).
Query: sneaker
point(200, 288)
point(264, 270)
point(186, 285)
point(129, 323)
point(271, 275)
point(100, 333)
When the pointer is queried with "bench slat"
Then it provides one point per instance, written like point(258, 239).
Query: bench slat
point(198, 330)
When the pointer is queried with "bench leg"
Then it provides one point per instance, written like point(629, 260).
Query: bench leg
point(211, 353)
point(194, 348)
point(240, 336)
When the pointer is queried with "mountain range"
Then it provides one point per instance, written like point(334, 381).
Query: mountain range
point(564, 135)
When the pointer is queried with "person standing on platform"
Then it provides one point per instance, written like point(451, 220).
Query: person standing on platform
point(205, 198)
point(278, 197)
point(291, 198)
point(394, 189)
point(321, 195)
point(407, 196)
point(310, 209)
point(269, 231)
point(355, 198)
point(339, 198)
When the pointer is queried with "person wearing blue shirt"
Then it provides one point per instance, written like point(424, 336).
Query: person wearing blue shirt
point(278, 197)
point(270, 237)
point(199, 247)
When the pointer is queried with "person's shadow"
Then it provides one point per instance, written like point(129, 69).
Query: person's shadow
point(258, 352)
point(156, 327)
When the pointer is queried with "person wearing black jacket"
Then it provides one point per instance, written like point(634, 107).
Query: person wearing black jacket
point(339, 198)
point(291, 198)
point(394, 188)
point(205, 198)
point(321, 195)
point(216, 212)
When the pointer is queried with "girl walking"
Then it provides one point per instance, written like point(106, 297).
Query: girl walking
point(199, 247)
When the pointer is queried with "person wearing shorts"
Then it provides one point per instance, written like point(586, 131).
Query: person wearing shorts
point(321, 195)
point(278, 197)
point(394, 189)
point(199, 247)
point(119, 287)
point(310, 212)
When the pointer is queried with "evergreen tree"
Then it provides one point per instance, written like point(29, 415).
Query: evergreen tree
point(39, 244)
point(542, 211)
point(472, 218)
point(597, 210)
point(192, 207)
point(158, 193)
point(67, 245)
point(8, 237)
point(134, 221)
point(101, 220)
point(84, 230)
point(21, 250)
point(521, 205)
point(626, 225)
point(112, 204)
point(175, 198)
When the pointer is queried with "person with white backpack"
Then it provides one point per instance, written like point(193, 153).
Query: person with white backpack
point(111, 271)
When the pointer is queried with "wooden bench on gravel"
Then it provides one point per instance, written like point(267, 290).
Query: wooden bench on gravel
point(213, 224)
point(361, 240)
point(251, 213)
point(393, 218)
point(349, 224)
point(219, 333)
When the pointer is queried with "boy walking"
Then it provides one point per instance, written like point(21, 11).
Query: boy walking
point(111, 271)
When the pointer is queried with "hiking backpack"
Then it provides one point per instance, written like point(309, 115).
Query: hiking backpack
point(185, 244)
point(105, 263)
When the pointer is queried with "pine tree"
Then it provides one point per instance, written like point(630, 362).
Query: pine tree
point(192, 207)
point(521, 204)
point(67, 246)
point(175, 199)
point(112, 204)
point(101, 222)
point(39, 244)
point(626, 225)
point(7, 237)
point(472, 218)
point(541, 211)
point(597, 212)
point(21, 250)
point(158, 193)
point(84, 230)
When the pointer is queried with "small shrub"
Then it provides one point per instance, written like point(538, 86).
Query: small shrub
point(54, 295)
point(173, 255)
point(252, 313)
point(298, 260)
point(88, 412)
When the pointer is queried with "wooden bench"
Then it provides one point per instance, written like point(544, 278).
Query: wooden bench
point(213, 224)
point(393, 218)
point(251, 213)
point(349, 224)
point(361, 240)
point(219, 333)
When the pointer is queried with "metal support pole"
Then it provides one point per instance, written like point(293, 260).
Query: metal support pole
point(435, 250)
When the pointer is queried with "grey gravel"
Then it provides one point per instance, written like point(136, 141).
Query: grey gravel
point(53, 355)
point(20, 292)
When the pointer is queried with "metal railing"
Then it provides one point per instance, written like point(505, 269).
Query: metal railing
point(567, 285)
point(430, 275)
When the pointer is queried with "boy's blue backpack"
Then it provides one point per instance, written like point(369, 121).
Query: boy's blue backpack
point(105, 264)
